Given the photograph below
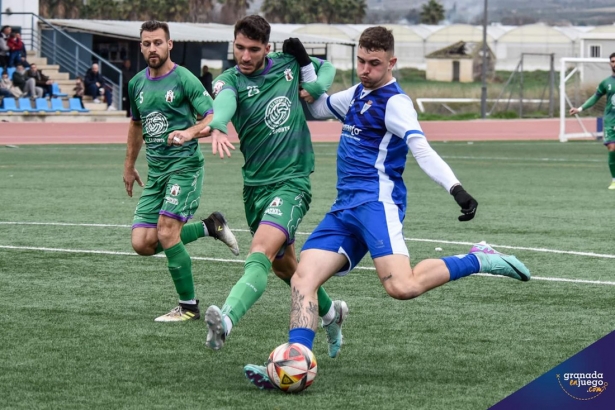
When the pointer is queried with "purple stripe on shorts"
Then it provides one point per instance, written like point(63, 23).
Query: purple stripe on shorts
point(174, 216)
point(143, 225)
point(281, 228)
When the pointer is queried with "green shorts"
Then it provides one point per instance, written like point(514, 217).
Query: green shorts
point(282, 205)
point(175, 195)
point(609, 134)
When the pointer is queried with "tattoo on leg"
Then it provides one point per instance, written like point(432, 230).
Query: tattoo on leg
point(387, 277)
point(300, 317)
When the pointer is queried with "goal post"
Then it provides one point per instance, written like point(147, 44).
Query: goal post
point(580, 75)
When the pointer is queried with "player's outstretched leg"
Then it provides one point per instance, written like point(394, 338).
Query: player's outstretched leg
point(334, 329)
point(218, 228)
point(181, 313)
point(216, 335)
point(258, 376)
point(496, 263)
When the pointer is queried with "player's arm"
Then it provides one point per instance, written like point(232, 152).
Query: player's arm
point(330, 106)
point(225, 106)
point(316, 75)
point(133, 144)
point(600, 91)
point(401, 120)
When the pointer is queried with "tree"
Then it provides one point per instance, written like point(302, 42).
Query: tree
point(315, 11)
point(60, 8)
point(233, 10)
point(432, 12)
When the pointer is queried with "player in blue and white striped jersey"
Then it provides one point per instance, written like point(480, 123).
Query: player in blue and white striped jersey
point(379, 128)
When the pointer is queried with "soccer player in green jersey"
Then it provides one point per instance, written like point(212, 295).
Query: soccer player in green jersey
point(164, 101)
point(261, 98)
point(606, 87)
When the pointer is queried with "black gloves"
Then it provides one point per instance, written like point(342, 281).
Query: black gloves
point(466, 202)
point(294, 47)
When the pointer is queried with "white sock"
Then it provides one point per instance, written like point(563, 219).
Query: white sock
point(328, 318)
point(205, 229)
point(229, 324)
point(188, 302)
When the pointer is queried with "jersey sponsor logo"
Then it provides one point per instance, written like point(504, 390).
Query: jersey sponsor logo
point(277, 201)
point(366, 106)
point(613, 101)
point(218, 87)
point(170, 96)
point(288, 74)
point(155, 124)
point(277, 113)
point(273, 211)
point(172, 201)
point(175, 189)
point(351, 129)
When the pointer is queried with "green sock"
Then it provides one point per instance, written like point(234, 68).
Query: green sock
point(324, 301)
point(612, 163)
point(180, 267)
point(190, 233)
point(249, 288)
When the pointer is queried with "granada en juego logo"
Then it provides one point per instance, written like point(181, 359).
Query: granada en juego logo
point(582, 386)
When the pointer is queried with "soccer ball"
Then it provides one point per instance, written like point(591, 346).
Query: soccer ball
point(292, 367)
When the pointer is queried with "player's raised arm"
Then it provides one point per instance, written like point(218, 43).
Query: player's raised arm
point(401, 120)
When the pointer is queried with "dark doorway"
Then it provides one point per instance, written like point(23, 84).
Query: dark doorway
point(456, 71)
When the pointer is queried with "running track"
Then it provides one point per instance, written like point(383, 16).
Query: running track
point(20, 133)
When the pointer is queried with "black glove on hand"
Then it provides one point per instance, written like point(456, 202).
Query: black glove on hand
point(294, 47)
point(466, 202)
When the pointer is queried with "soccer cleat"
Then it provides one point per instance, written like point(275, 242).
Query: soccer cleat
point(181, 313)
point(258, 376)
point(223, 233)
point(334, 329)
point(612, 186)
point(216, 336)
point(496, 263)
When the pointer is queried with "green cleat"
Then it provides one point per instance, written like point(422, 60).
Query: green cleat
point(258, 376)
point(496, 263)
point(334, 329)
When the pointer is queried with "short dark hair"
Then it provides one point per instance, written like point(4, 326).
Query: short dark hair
point(153, 25)
point(612, 55)
point(254, 27)
point(377, 38)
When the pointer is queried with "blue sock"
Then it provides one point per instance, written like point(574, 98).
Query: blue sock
point(302, 335)
point(461, 265)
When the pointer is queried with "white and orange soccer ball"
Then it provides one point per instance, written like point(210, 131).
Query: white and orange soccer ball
point(292, 367)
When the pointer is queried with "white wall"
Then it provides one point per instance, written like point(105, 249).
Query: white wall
point(24, 6)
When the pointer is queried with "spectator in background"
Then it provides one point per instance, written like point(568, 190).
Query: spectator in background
point(4, 48)
point(79, 90)
point(127, 74)
point(206, 79)
point(40, 79)
point(7, 85)
point(26, 84)
point(15, 46)
point(95, 86)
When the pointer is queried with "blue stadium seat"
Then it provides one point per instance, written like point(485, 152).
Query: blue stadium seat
point(42, 105)
point(11, 70)
point(9, 105)
point(25, 105)
point(56, 105)
point(75, 105)
point(55, 91)
point(1, 70)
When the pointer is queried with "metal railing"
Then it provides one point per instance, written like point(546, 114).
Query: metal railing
point(43, 37)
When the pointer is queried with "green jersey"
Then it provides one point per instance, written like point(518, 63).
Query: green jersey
point(165, 104)
point(607, 86)
point(273, 135)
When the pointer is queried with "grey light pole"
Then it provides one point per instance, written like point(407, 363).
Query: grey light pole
point(483, 92)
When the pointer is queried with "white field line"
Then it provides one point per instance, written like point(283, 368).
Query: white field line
point(521, 248)
point(197, 258)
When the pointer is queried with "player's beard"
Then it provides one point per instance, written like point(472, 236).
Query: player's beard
point(161, 61)
point(256, 66)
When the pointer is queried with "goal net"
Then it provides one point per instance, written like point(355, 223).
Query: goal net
point(579, 78)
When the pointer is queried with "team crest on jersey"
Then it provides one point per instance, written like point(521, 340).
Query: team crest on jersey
point(288, 74)
point(170, 96)
point(277, 201)
point(218, 87)
point(366, 106)
point(175, 190)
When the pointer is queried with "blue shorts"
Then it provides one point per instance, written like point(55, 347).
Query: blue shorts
point(374, 226)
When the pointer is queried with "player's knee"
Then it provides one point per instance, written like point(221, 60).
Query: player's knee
point(142, 248)
point(402, 291)
point(301, 280)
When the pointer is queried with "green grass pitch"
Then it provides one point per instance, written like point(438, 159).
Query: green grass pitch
point(77, 307)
